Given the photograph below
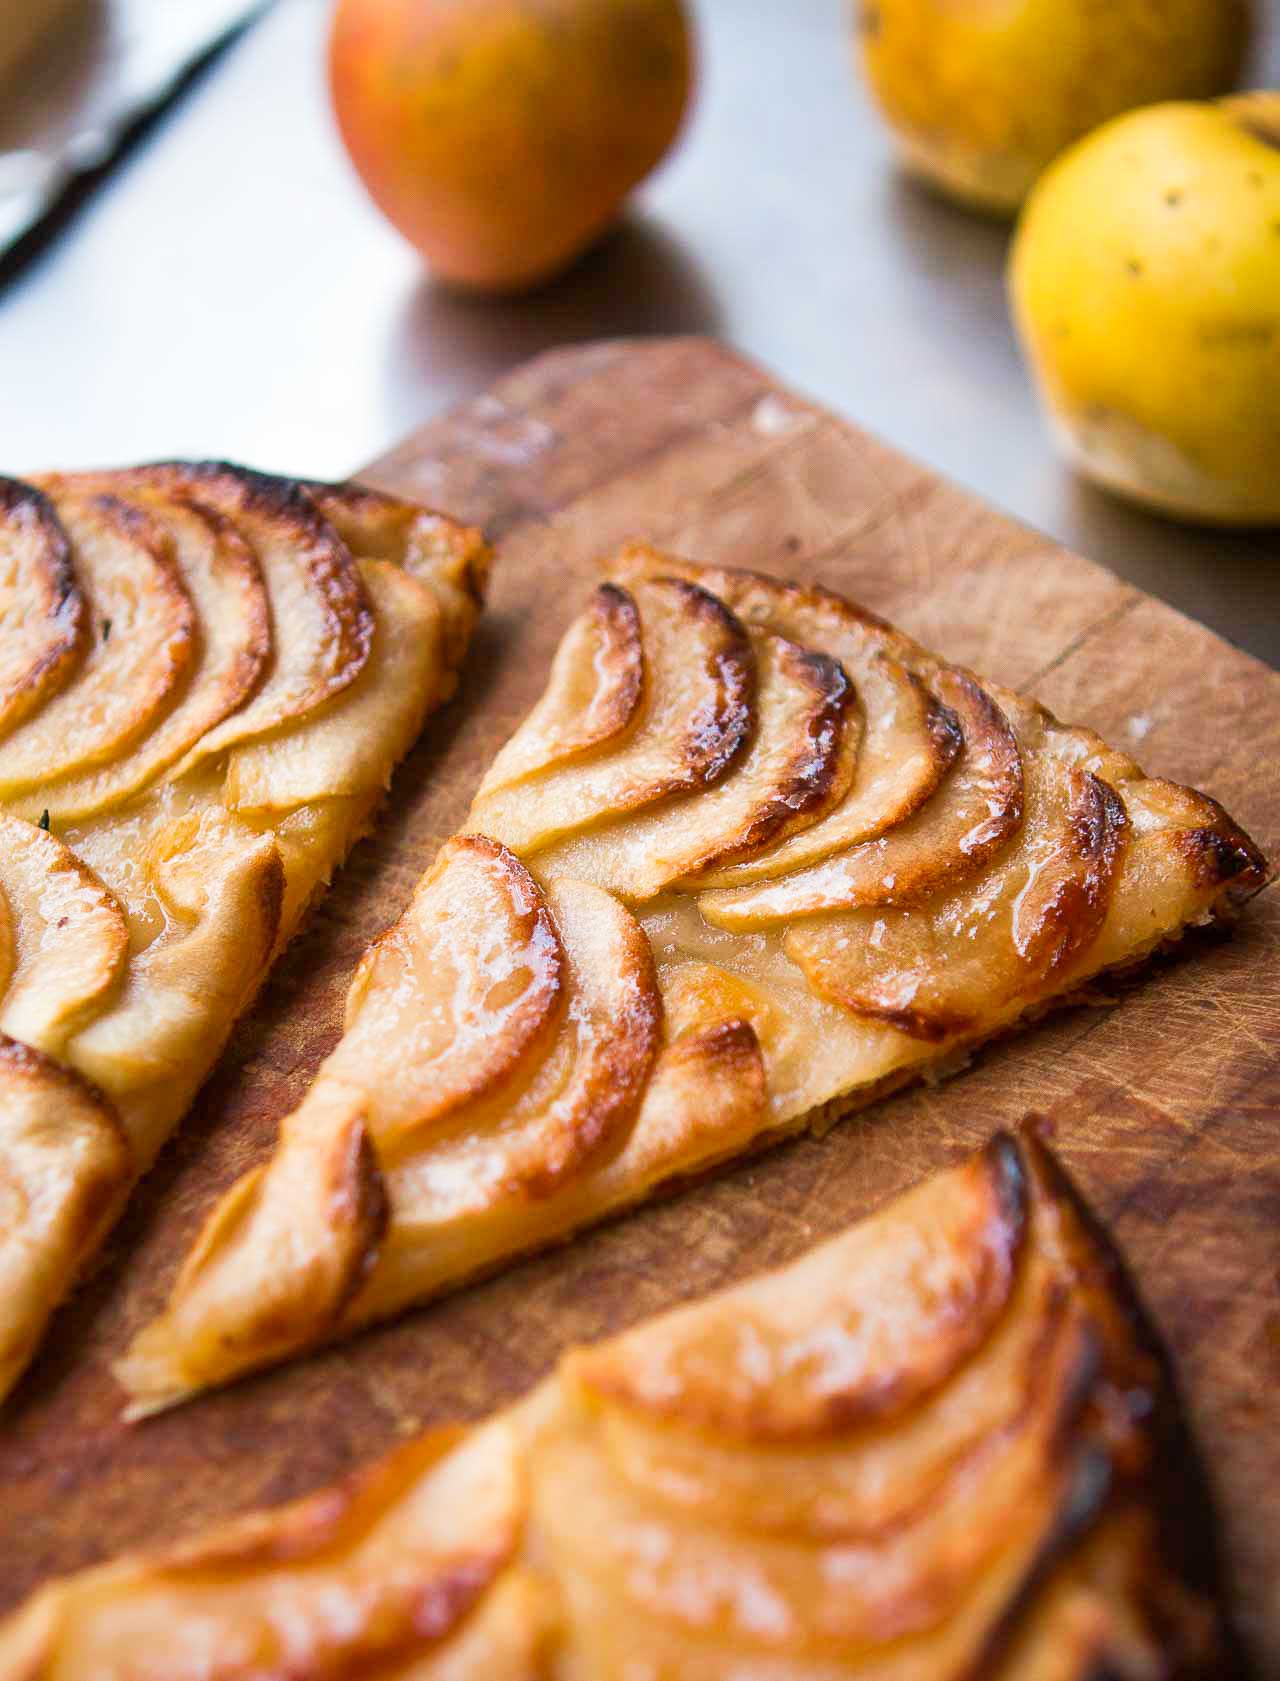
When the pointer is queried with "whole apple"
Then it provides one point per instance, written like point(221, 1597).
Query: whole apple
point(502, 136)
point(1145, 282)
point(982, 94)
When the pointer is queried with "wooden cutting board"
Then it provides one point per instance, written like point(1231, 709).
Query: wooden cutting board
point(1167, 1108)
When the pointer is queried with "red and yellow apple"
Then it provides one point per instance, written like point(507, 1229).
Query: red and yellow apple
point(502, 136)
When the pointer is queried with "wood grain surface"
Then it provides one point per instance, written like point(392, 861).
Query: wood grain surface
point(1166, 1108)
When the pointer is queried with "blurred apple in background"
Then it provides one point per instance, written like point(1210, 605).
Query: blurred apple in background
point(1145, 281)
point(981, 94)
point(501, 137)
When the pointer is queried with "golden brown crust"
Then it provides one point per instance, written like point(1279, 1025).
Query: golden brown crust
point(938, 1445)
point(43, 621)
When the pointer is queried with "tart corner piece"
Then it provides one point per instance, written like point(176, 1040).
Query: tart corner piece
point(205, 684)
point(944, 1443)
point(754, 860)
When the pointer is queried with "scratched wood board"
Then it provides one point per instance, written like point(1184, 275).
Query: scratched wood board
point(1166, 1108)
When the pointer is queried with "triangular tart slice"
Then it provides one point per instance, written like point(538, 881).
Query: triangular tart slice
point(941, 1446)
point(812, 861)
point(250, 678)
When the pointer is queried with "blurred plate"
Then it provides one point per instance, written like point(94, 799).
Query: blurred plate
point(67, 107)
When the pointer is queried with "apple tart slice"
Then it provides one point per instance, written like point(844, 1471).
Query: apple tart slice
point(754, 860)
point(214, 688)
point(941, 1445)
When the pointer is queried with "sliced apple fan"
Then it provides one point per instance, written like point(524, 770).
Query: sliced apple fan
point(754, 859)
point(205, 682)
point(941, 1446)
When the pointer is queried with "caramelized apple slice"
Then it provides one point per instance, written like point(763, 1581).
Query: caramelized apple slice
point(279, 1258)
point(64, 1166)
point(460, 1193)
point(71, 940)
point(142, 642)
point(923, 1600)
point(205, 927)
point(380, 1575)
point(41, 610)
point(1186, 861)
point(798, 764)
point(459, 997)
point(321, 626)
point(221, 575)
point(577, 1103)
point(596, 681)
point(957, 831)
point(693, 722)
point(951, 965)
point(326, 755)
point(860, 1484)
point(885, 1317)
point(909, 738)
point(451, 560)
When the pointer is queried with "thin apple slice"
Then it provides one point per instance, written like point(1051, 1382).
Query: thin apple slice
point(204, 902)
point(926, 1599)
point(452, 560)
point(64, 1167)
point(393, 1572)
point(221, 575)
point(279, 1258)
point(326, 755)
point(592, 694)
point(458, 998)
point(579, 1102)
point(42, 616)
point(799, 763)
point(321, 626)
point(909, 739)
point(861, 1484)
point(71, 939)
point(940, 969)
point(958, 830)
point(1186, 862)
point(693, 722)
point(142, 644)
point(885, 1318)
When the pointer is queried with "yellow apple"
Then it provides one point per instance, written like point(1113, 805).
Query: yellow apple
point(1145, 281)
point(982, 94)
